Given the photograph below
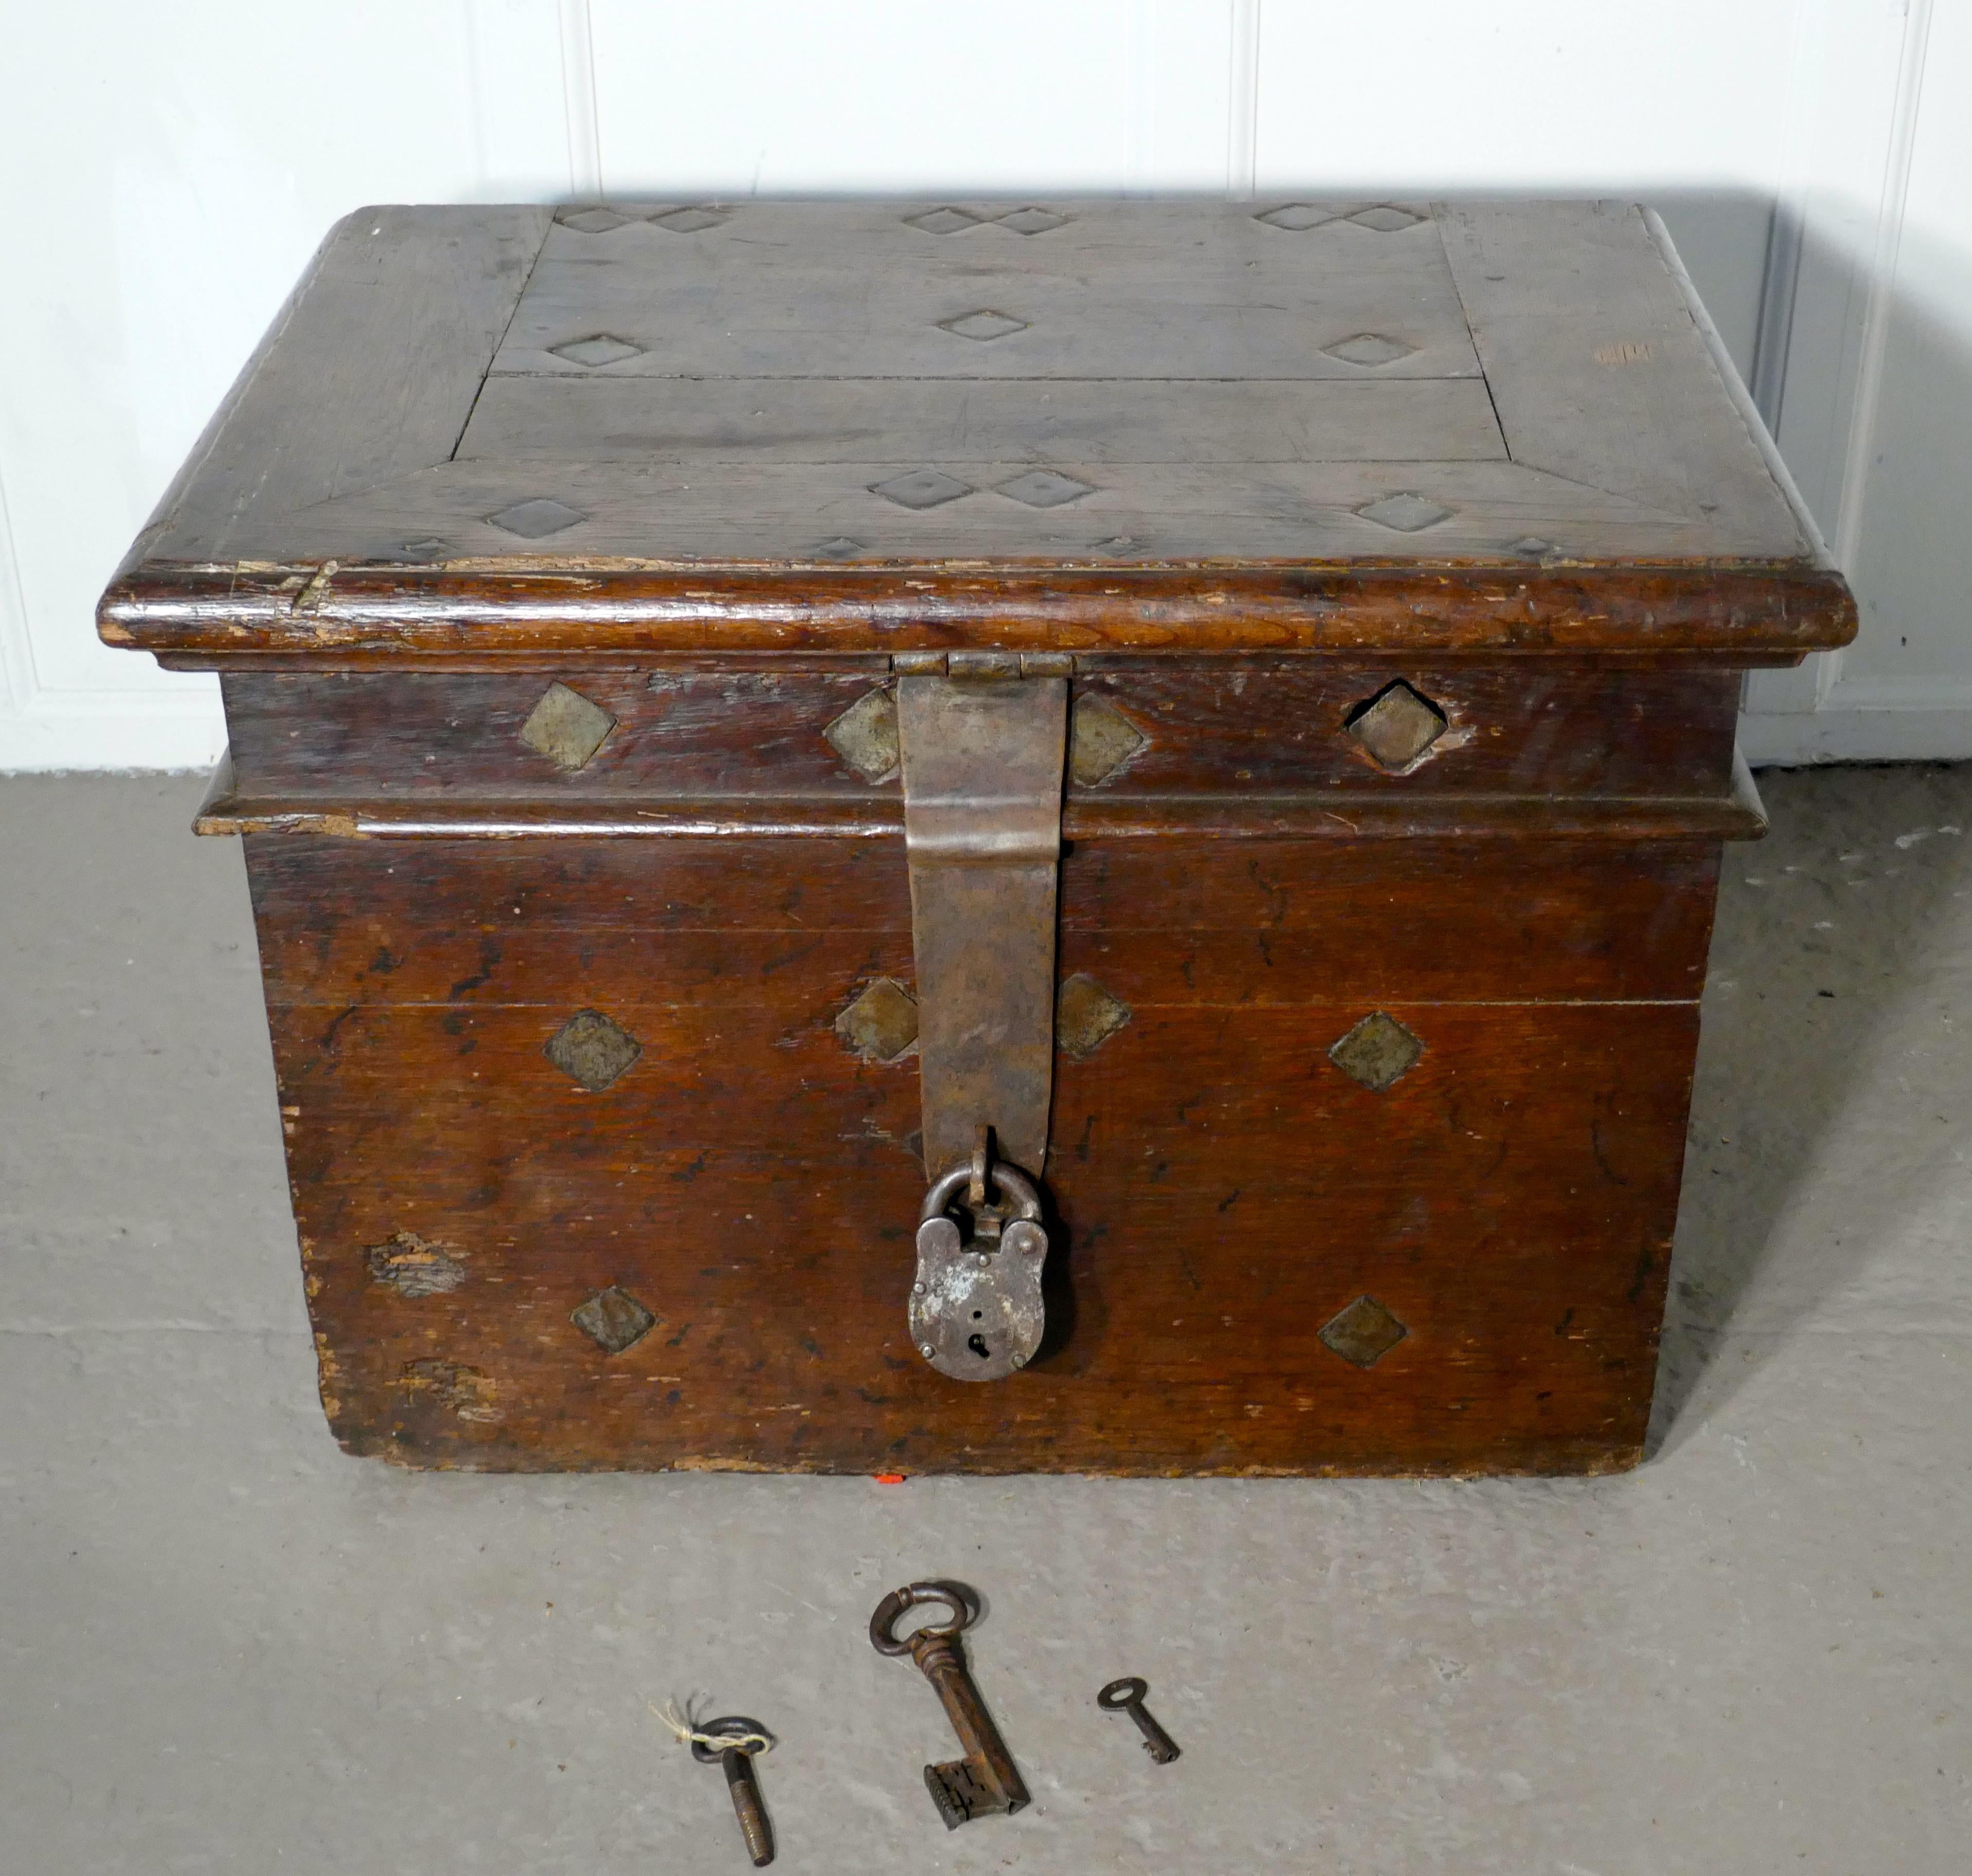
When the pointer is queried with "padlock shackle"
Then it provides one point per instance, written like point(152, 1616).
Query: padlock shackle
point(1013, 1183)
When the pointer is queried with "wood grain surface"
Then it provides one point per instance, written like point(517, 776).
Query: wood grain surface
point(1223, 1188)
point(1546, 731)
point(923, 393)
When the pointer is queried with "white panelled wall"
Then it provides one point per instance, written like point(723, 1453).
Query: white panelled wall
point(171, 169)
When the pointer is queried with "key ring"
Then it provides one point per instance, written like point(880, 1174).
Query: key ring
point(962, 1603)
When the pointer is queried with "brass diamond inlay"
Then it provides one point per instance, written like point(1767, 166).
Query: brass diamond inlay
point(921, 488)
point(535, 519)
point(593, 1050)
point(592, 221)
point(1378, 1053)
point(1405, 512)
point(1297, 218)
point(1364, 1332)
point(1369, 348)
point(1044, 488)
point(566, 728)
point(1031, 220)
point(1386, 218)
point(613, 1320)
point(943, 221)
point(865, 735)
point(601, 348)
point(1086, 1015)
point(688, 221)
point(1101, 741)
point(985, 324)
point(1397, 725)
point(882, 1023)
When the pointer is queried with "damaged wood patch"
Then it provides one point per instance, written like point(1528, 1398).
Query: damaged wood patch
point(413, 1266)
point(468, 1392)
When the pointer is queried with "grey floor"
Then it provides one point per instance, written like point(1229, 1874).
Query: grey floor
point(223, 1646)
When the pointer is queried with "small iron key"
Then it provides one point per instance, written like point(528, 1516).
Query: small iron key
point(738, 1760)
point(1128, 1695)
point(984, 1780)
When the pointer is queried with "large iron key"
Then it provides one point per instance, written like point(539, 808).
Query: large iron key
point(984, 1780)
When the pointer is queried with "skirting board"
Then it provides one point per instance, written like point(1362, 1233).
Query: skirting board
point(81, 729)
point(1855, 733)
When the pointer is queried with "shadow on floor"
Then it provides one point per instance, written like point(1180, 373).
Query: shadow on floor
point(1831, 933)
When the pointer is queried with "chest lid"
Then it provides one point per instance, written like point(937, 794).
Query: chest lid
point(870, 427)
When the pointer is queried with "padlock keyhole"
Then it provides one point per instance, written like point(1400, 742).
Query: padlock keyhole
point(977, 1345)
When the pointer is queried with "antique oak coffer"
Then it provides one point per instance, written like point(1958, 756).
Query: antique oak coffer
point(985, 836)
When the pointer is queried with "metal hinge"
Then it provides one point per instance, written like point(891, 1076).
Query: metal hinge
point(983, 746)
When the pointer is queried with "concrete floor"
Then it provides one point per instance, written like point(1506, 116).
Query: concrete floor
point(227, 1647)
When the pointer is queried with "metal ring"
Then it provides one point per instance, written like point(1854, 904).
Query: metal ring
point(731, 1724)
point(1011, 1179)
point(961, 1601)
point(1124, 1693)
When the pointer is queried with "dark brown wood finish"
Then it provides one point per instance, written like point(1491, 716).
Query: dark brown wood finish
point(750, 1180)
point(726, 470)
point(699, 736)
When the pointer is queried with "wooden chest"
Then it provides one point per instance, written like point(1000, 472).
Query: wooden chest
point(1206, 730)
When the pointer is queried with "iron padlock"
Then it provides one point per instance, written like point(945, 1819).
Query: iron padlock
point(976, 1313)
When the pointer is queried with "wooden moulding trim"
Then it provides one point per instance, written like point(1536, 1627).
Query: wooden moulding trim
point(236, 611)
point(1733, 817)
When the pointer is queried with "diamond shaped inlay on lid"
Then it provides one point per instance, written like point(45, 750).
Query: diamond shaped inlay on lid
point(882, 1024)
point(689, 220)
point(1031, 220)
point(921, 488)
point(1364, 1332)
point(1044, 488)
point(1117, 545)
point(943, 221)
point(535, 519)
point(865, 735)
point(591, 220)
point(430, 548)
point(1406, 512)
point(840, 548)
point(613, 1320)
point(1369, 348)
point(1378, 1053)
point(593, 1050)
point(1085, 1017)
point(985, 324)
point(566, 727)
point(1101, 740)
point(1297, 217)
point(1531, 548)
point(1397, 725)
point(601, 348)
point(1386, 218)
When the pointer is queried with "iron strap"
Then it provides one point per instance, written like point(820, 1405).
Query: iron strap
point(983, 761)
